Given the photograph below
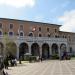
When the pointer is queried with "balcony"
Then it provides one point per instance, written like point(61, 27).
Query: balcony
point(41, 39)
point(33, 39)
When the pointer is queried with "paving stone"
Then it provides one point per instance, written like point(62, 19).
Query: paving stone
point(50, 67)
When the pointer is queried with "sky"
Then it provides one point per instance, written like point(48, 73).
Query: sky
point(60, 12)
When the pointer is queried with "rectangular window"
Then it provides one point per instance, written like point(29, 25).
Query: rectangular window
point(0, 25)
point(21, 27)
point(11, 26)
point(47, 29)
point(39, 28)
point(55, 30)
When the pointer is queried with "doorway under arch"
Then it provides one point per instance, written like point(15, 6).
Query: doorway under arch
point(35, 49)
point(45, 51)
point(23, 49)
point(55, 49)
point(62, 48)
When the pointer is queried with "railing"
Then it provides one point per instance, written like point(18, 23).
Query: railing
point(33, 38)
point(42, 39)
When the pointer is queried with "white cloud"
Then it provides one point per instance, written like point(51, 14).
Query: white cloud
point(18, 3)
point(68, 21)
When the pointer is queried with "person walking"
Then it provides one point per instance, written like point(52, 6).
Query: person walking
point(6, 63)
point(2, 68)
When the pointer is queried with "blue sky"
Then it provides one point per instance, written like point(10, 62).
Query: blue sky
point(51, 11)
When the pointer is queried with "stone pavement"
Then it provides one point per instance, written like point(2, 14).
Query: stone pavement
point(50, 67)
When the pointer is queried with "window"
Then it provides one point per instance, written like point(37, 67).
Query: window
point(0, 25)
point(11, 26)
point(40, 35)
point(21, 27)
point(39, 28)
point(31, 34)
point(10, 33)
point(47, 29)
point(70, 49)
point(56, 36)
point(65, 37)
point(21, 34)
point(48, 35)
point(55, 30)
point(0, 33)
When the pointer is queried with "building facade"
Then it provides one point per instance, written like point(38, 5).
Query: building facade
point(18, 37)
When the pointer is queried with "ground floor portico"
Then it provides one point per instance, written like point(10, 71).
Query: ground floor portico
point(43, 47)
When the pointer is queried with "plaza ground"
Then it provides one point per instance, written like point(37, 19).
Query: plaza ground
point(48, 67)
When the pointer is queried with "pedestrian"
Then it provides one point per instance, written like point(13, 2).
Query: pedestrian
point(15, 62)
point(6, 63)
point(40, 58)
point(2, 68)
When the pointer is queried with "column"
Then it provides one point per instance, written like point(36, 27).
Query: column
point(50, 50)
point(40, 51)
point(17, 54)
point(67, 47)
point(30, 49)
point(59, 52)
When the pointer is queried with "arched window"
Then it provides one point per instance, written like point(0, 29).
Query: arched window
point(10, 33)
point(31, 34)
point(21, 34)
point(40, 35)
point(48, 35)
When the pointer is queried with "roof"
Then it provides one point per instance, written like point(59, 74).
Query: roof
point(67, 32)
point(30, 21)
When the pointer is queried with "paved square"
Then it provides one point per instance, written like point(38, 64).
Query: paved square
point(50, 67)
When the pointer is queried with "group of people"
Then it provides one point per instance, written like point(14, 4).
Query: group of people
point(10, 61)
point(65, 56)
point(6, 62)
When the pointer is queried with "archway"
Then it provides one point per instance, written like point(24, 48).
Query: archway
point(11, 49)
point(55, 49)
point(35, 49)
point(62, 48)
point(23, 49)
point(45, 51)
point(1, 49)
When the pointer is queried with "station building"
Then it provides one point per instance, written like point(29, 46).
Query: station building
point(20, 37)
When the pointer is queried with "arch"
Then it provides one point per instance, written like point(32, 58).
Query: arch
point(1, 48)
point(55, 49)
point(23, 49)
point(35, 49)
point(63, 47)
point(11, 33)
point(45, 51)
point(21, 33)
point(31, 34)
point(11, 49)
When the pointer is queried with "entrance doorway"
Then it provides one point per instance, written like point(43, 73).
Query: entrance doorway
point(45, 51)
point(23, 49)
point(35, 49)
